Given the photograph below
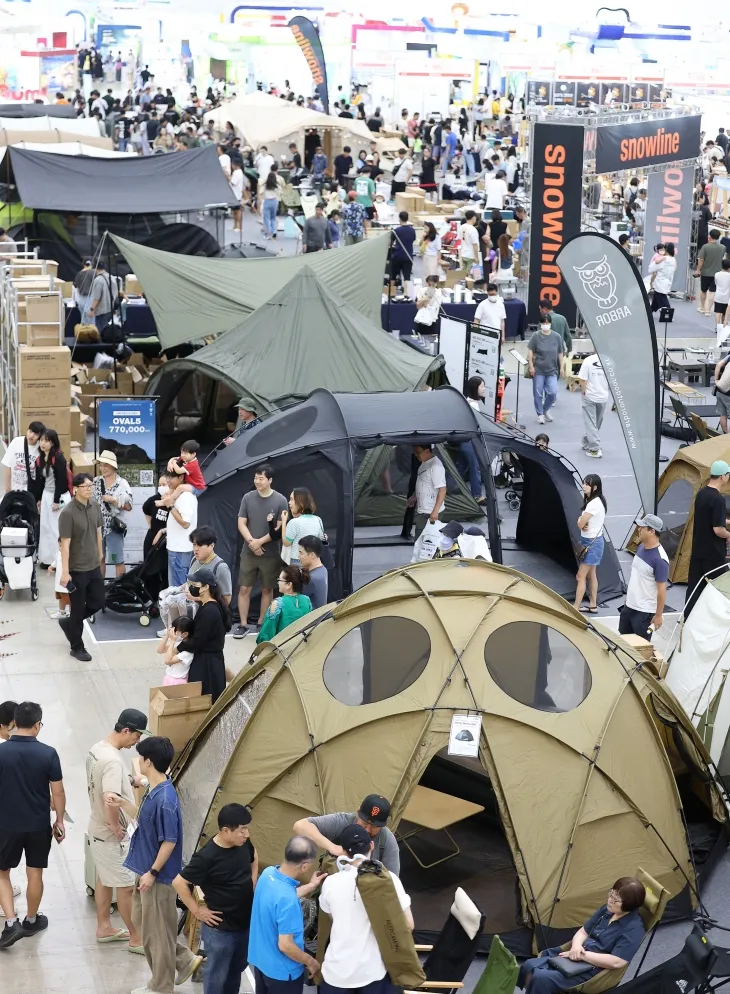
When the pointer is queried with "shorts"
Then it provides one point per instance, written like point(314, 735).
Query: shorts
point(109, 856)
point(595, 550)
point(400, 267)
point(723, 404)
point(720, 308)
point(199, 490)
point(707, 284)
point(113, 546)
point(35, 845)
point(252, 568)
point(370, 211)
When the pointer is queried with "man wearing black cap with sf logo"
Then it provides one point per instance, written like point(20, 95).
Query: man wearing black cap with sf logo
point(107, 832)
point(325, 830)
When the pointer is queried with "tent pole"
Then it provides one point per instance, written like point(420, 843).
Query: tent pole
point(387, 273)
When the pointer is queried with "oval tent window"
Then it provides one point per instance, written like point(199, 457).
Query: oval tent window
point(376, 660)
point(282, 431)
point(537, 666)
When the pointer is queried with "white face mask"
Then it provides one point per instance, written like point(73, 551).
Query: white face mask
point(492, 296)
point(163, 490)
point(545, 327)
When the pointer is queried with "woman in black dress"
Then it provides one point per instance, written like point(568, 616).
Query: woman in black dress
point(212, 621)
point(427, 179)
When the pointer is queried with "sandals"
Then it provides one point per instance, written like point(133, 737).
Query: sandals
point(587, 609)
point(121, 935)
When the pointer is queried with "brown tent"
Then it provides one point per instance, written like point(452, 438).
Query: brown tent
point(688, 471)
point(584, 763)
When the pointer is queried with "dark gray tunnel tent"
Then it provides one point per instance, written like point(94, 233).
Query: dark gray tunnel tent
point(353, 452)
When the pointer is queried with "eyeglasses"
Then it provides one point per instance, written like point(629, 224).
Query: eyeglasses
point(84, 485)
point(283, 579)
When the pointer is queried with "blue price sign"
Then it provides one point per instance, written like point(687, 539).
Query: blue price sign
point(128, 428)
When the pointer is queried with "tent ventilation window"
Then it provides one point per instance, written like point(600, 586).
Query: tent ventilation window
point(377, 660)
point(537, 666)
point(284, 431)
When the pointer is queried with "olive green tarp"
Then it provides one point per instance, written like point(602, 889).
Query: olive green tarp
point(575, 753)
point(193, 297)
point(304, 337)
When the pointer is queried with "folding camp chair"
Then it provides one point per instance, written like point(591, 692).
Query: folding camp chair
point(682, 419)
point(455, 947)
point(701, 427)
point(699, 967)
point(500, 973)
point(651, 913)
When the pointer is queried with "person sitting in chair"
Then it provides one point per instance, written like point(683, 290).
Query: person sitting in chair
point(608, 941)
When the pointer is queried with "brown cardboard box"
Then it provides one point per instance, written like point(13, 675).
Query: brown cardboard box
point(79, 421)
point(65, 443)
point(178, 711)
point(65, 286)
point(32, 284)
point(58, 418)
point(54, 393)
point(52, 363)
point(132, 285)
point(125, 383)
point(42, 335)
point(51, 266)
point(412, 200)
point(42, 308)
point(640, 645)
point(83, 462)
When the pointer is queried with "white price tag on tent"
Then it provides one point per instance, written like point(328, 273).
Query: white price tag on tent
point(464, 735)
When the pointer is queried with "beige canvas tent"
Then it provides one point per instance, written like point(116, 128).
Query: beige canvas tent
point(688, 471)
point(578, 769)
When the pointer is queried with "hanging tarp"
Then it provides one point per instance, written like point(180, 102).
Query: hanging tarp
point(192, 297)
point(80, 126)
point(190, 180)
point(68, 148)
point(319, 341)
point(25, 137)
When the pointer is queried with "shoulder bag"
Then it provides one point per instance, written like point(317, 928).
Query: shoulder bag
point(117, 524)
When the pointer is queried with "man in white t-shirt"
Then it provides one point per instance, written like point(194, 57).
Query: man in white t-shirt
point(596, 397)
point(496, 191)
point(469, 250)
point(263, 163)
point(430, 493)
point(182, 520)
point(491, 312)
point(225, 162)
point(647, 591)
point(353, 960)
point(20, 456)
point(722, 296)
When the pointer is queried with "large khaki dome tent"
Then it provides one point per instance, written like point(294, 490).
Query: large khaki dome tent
point(579, 771)
point(688, 471)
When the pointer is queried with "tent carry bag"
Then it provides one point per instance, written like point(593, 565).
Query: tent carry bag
point(86, 333)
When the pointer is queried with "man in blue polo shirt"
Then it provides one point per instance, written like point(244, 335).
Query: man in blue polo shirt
point(276, 938)
point(155, 857)
point(647, 591)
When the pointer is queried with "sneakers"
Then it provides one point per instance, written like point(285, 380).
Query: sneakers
point(81, 654)
point(57, 615)
point(30, 928)
point(594, 453)
point(541, 419)
point(240, 631)
point(11, 934)
point(189, 970)
point(162, 633)
point(548, 416)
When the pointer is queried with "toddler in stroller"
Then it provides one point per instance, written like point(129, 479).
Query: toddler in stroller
point(19, 524)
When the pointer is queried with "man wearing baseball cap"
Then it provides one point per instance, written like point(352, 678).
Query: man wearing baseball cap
point(353, 960)
point(647, 592)
point(709, 534)
point(107, 830)
point(372, 815)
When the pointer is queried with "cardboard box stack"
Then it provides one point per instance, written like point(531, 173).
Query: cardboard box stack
point(177, 712)
point(39, 313)
point(651, 656)
point(412, 200)
point(44, 389)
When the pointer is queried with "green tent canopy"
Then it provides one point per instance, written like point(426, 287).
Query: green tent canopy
point(192, 297)
point(304, 337)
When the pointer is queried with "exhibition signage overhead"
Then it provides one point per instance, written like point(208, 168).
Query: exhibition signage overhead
point(647, 143)
point(557, 176)
point(307, 37)
point(610, 295)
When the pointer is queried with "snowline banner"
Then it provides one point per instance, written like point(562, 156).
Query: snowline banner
point(669, 216)
point(557, 182)
point(645, 143)
point(307, 37)
point(610, 295)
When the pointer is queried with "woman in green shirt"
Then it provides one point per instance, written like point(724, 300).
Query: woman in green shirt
point(289, 606)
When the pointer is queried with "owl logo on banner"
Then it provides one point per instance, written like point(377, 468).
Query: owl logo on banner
point(599, 282)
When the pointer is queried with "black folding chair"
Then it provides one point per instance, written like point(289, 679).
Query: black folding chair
point(682, 419)
point(699, 967)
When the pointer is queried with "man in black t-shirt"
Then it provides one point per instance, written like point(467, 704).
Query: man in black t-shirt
point(225, 869)
point(31, 786)
point(343, 165)
point(709, 533)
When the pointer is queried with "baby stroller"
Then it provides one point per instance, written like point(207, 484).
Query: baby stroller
point(510, 478)
point(130, 594)
point(19, 524)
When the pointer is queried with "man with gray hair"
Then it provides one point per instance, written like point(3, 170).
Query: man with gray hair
point(276, 938)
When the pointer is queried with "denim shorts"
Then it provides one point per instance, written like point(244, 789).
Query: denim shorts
point(595, 550)
point(114, 548)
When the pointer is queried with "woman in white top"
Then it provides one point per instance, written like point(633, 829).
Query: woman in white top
point(236, 184)
point(428, 308)
point(664, 266)
point(722, 294)
point(430, 247)
point(591, 536)
point(303, 521)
